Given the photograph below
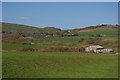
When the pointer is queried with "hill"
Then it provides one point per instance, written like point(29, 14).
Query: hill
point(52, 33)
point(30, 31)
point(102, 35)
point(19, 27)
point(95, 27)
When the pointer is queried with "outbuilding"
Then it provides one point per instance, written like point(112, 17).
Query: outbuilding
point(98, 49)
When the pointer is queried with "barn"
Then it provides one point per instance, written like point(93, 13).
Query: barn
point(98, 49)
point(92, 48)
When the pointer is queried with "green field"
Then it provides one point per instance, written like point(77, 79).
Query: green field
point(107, 33)
point(59, 65)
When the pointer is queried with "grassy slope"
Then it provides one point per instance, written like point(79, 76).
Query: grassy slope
point(18, 27)
point(108, 33)
point(58, 65)
point(109, 36)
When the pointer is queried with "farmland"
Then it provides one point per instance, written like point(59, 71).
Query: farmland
point(59, 65)
point(54, 53)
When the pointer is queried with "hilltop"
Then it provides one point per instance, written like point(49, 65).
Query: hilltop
point(95, 27)
point(30, 31)
point(19, 27)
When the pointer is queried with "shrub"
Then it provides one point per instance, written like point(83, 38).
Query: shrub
point(98, 35)
point(93, 40)
point(82, 39)
point(27, 49)
point(82, 49)
point(53, 49)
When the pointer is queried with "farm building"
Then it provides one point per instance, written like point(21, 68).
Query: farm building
point(98, 49)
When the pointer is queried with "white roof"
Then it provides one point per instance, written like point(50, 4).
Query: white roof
point(97, 46)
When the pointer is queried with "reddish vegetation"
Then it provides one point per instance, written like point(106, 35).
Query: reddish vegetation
point(3, 50)
point(84, 30)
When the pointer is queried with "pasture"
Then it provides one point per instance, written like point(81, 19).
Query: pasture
point(107, 33)
point(58, 65)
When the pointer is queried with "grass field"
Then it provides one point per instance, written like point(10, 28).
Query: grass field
point(107, 33)
point(59, 65)
point(7, 46)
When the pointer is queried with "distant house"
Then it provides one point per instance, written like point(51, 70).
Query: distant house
point(98, 49)
point(69, 31)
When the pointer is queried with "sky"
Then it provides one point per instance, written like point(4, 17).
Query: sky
point(64, 15)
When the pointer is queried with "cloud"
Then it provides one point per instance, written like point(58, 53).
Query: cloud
point(22, 18)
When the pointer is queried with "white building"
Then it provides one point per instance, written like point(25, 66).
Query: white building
point(98, 49)
point(92, 48)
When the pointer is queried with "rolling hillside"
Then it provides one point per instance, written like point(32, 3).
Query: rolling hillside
point(53, 53)
point(18, 27)
point(43, 36)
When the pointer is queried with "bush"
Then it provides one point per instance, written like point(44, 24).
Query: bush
point(93, 40)
point(82, 49)
point(82, 39)
point(27, 49)
point(16, 38)
point(98, 35)
point(53, 49)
